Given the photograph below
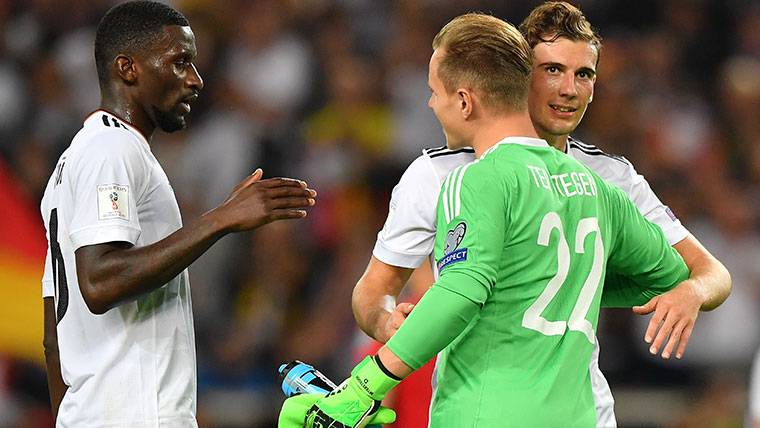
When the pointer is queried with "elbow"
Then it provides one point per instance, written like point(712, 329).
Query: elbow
point(50, 345)
point(96, 300)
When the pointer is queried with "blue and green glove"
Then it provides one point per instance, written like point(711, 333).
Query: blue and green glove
point(354, 404)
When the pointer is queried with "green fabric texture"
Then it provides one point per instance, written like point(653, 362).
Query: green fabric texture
point(525, 236)
point(439, 317)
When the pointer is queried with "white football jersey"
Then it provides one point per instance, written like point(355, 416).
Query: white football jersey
point(408, 235)
point(754, 392)
point(133, 366)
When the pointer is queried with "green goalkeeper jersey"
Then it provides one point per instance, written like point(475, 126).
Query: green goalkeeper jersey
point(536, 232)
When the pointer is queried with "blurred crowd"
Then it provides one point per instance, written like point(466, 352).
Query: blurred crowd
point(335, 92)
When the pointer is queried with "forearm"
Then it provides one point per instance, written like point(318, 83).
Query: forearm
point(371, 309)
point(56, 387)
point(121, 274)
point(374, 297)
point(710, 278)
point(436, 321)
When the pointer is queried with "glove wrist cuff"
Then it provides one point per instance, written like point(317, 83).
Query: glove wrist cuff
point(373, 379)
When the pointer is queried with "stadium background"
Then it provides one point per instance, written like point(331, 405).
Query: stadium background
point(335, 92)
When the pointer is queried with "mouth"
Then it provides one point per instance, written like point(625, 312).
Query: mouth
point(186, 102)
point(563, 109)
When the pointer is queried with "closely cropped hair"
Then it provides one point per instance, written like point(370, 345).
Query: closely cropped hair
point(555, 19)
point(129, 27)
point(489, 55)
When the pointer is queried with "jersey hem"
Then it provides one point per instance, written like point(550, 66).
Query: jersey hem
point(394, 258)
point(101, 234)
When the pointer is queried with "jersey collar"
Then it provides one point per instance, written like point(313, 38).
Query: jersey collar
point(523, 141)
point(97, 115)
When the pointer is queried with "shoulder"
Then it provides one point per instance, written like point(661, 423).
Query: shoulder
point(613, 168)
point(105, 137)
point(442, 160)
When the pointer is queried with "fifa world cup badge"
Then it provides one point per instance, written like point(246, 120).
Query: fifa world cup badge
point(113, 202)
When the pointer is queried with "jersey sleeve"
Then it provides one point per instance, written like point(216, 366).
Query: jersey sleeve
point(471, 223)
point(106, 181)
point(641, 262)
point(408, 235)
point(754, 391)
point(638, 190)
point(47, 277)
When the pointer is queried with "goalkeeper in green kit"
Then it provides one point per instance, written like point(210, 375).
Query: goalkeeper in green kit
point(526, 236)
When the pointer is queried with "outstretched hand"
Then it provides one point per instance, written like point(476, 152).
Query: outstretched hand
point(675, 313)
point(255, 202)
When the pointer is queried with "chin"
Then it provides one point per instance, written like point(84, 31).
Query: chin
point(169, 122)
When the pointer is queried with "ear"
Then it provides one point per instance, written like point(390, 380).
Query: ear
point(126, 69)
point(465, 102)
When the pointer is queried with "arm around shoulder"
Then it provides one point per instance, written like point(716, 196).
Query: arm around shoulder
point(711, 279)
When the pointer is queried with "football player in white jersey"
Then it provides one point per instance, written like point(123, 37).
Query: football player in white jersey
point(119, 338)
point(566, 52)
point(754, 394)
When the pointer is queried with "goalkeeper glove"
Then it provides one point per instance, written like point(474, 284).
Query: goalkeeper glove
point(355, 403)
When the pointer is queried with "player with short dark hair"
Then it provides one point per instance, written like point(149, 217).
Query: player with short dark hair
point(525, 236)
point(119, 339)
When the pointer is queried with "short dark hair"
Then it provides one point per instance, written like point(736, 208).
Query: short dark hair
point(129, 27)
point(555, 19)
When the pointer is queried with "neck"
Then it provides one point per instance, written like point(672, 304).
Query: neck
point(559, 142)
point(496, 128)
point(121, 106)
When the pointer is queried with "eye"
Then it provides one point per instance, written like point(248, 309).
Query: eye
point(584, 75)
point(182, 63)
point(552, 69)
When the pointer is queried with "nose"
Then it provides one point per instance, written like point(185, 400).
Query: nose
point(194, 79)
point(567, 85)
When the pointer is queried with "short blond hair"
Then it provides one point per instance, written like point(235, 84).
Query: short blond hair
point(489, 55)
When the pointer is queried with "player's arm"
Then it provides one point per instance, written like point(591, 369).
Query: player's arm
point(114, 272)
point(374, 299)
point(647, 266)
point(709, 283)
point(56, 387)
point(708, 280)
point(404, 243)
point(467, 273)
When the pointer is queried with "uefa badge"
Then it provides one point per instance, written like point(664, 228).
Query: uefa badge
point(451, 253)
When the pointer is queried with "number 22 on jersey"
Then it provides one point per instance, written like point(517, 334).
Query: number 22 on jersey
point(533, 318)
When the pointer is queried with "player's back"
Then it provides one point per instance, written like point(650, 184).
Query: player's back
point(523, 361)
